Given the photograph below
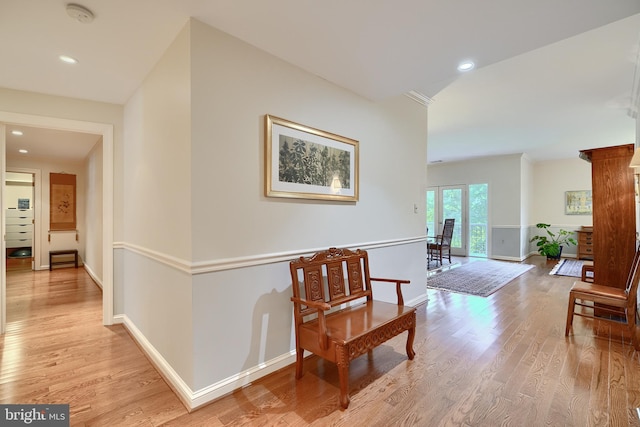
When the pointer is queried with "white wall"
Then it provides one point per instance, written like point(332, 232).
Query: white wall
point(93, 213)
point(234, 86)
point(228, 295)
point(157, 200)
point(552, 178)
point(157, 209)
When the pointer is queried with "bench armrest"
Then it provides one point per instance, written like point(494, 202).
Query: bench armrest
point(321, 306)
point(398, 282)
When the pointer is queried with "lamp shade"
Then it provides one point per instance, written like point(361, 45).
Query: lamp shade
point(635, 160)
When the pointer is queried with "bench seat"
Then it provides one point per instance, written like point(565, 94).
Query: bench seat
point(336, 316)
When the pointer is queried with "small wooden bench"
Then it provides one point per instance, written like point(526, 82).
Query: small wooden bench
point(52, 254)
point(341, 321)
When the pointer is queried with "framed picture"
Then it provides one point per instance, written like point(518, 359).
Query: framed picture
point(62, 203)
point(307, 163)
point(577, 202)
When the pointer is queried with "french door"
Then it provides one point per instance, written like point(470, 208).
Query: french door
point(468, 205)
point(448, 202)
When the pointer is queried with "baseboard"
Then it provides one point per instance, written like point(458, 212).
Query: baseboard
point(508, 258)
point(95, 278)
point(193, 400)
point(417, 301)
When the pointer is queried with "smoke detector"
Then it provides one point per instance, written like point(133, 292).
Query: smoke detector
point(79, 13)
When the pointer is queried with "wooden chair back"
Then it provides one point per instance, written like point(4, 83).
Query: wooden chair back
point(447, 232)
point(335, 276)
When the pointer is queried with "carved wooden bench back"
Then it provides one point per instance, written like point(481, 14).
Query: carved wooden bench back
point(321, 278)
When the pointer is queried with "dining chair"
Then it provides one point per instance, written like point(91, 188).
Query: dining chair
point(442, 243)
point(607, 303)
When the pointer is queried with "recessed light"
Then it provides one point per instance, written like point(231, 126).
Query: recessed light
point(466, 66)
point(68, 59)
point(17, 132)
point(23, 151)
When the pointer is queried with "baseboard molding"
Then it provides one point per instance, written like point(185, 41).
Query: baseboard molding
point(193, 400)
point(93, 275)
point(509, 258)
point(421, 299)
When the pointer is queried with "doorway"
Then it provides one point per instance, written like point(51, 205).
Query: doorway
point(468, 205)
point(20, 205)
point(106, 133)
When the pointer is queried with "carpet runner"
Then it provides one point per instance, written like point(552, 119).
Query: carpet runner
point(479, 278)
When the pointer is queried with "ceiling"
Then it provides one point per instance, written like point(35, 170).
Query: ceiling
point(551, 77)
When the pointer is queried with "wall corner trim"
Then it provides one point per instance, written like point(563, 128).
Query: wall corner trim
point(194, 399)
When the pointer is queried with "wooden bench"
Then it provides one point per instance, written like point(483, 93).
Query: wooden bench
point(335, 314)
point(52, 254)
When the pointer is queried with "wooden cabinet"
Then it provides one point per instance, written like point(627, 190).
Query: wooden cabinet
point(614, 224)
point(585, 243)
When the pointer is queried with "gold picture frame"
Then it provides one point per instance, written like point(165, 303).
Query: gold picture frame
point(306, 163)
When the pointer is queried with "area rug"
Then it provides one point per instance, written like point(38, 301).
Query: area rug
point(479, 278)
point(568, 267)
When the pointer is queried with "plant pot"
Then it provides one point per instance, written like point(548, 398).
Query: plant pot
point(555, 257)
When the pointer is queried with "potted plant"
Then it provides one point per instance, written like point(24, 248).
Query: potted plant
point(551, 244)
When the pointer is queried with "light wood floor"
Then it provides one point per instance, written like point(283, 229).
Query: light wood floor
point(501, 360)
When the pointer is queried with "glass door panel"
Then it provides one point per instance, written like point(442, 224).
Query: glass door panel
point(453, 206)
point(478, 219)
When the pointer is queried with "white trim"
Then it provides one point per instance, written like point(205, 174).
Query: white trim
point(419, 97)
point(37, 212)
point(179, 386)
point(509, 258)
point(91, 273)
point(420, 299)
point(210, 266)
point(106, 131)
point(215, 391)
point(195, 399)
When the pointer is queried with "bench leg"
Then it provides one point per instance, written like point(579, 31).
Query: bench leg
point(299, 361)
point(343, 373)
point(412, 334)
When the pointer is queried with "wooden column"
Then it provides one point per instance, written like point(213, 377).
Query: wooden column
point(614, 225)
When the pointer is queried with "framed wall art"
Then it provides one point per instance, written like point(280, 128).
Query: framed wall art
point(577, 202)
point(62, 203)
point(307, 163)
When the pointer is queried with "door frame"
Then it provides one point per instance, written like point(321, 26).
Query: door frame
point(37, 210)
point(439, 218)
point(106, 131)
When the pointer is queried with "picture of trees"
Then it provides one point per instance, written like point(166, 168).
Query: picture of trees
point(305, 162)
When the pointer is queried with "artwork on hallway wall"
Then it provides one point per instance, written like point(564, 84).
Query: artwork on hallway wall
point(307, 163)
point(62, 203)
point(577, 202)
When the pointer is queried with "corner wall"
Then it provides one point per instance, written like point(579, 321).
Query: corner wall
point(218, 314)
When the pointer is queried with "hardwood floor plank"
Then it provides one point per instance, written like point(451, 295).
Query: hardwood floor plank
point(501, 360)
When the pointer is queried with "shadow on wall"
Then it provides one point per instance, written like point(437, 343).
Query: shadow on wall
point(271, 325)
